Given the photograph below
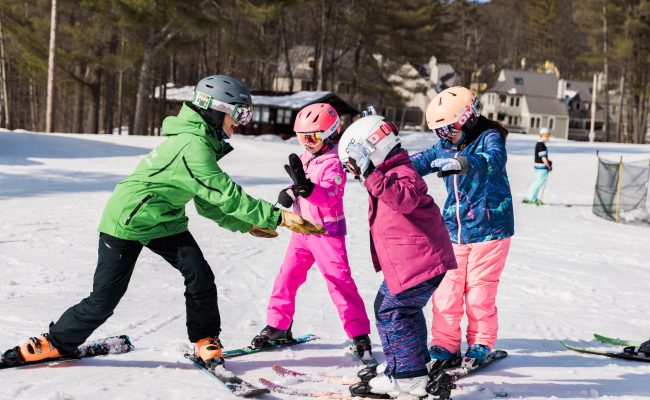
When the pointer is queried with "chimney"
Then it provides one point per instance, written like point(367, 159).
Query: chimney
point(561, 88)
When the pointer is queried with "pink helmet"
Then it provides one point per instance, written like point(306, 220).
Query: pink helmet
point(319, 118)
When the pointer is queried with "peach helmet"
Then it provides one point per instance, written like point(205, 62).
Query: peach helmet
point(452, 109)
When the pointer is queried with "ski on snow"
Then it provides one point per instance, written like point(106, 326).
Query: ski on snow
point(99, 347)
point(292, 391)
point(235, 384)
point(232, 382)
point(630, 353)
point(274, 346)
point(451, 375)
point(615, 342)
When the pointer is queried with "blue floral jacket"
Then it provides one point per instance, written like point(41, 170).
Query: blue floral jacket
point(479, 204)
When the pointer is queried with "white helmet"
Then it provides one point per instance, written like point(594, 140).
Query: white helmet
point(377, 134)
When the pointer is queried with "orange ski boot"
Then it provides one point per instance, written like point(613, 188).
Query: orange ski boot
point(209, 350)
point(37, 349)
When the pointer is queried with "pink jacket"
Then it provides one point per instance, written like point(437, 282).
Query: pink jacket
point(325, 204)
point(408, 237)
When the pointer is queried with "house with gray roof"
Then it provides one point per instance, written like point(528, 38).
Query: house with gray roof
point(577, 97)
point(525, 101)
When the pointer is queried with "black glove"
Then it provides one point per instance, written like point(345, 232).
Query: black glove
point(286, 197)
point(301, 185)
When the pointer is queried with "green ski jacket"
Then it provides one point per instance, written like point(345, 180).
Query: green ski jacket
point(150, 203)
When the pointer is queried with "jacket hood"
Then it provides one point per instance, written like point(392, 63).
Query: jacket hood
point(401, 157)
point(187, 121)
point(190, 122)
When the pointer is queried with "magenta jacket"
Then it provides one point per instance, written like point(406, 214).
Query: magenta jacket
point(409, 241)
point(325, 203)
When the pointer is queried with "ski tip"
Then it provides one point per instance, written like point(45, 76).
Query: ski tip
point(267, 383)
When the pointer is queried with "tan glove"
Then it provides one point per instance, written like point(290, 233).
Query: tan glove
point(297, 224)
point(263, 232)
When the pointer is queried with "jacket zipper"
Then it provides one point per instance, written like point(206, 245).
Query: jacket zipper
point(457, 205)
point(135, 210)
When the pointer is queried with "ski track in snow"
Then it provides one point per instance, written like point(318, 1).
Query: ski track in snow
point(569, 274)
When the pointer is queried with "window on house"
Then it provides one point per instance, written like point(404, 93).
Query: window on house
point(265, 114)
point(598, 126)
point(577, 105)
point(519, 81)
point(537, 121)
point(490, 115)
point(279, 116)
point(287, 117)
point(501, 117)
point(551, 121)
point(256, 114)
point(517, 102)
point(502, 98)
point(532, 122)
point(512, 101)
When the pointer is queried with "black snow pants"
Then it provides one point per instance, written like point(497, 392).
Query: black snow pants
point(115, 264)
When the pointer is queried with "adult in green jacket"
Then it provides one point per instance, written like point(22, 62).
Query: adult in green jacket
point(147, 209)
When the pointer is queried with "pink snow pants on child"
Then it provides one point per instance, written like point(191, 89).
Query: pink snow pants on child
point(331, 257)
point(475, 283)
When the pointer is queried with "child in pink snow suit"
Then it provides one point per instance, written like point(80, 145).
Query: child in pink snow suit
point(409, 244)
point(317, 195)
point(471, 158)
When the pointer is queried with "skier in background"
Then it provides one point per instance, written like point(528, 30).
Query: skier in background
point(542, 167)
point(471, 158)
point(316, 194)
point(408, 243)
point(147, 209)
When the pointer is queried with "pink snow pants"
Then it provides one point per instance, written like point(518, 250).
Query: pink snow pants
point(331, 257)
point(475, 283)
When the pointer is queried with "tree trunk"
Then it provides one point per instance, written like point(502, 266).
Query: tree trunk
point(49, 108)
point(321, 44)
point(287, 59)
point(120, 100)
point(109, 88)
point(3, 71)
point(95, 98)
point(620, 135)
point(144, 87)
point(32, 105)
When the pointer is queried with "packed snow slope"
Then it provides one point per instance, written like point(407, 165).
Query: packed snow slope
point(569, 274)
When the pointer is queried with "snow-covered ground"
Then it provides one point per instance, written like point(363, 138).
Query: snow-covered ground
point(569, 274)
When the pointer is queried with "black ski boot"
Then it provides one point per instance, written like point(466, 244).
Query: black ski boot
point(270, 335)
point(362, 345)
point(645, 348)
point(440, 383)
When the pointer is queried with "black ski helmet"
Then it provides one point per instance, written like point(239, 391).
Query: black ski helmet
point(222, 88)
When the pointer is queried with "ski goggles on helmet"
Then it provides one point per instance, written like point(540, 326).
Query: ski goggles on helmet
point(447, 132)
point(242, 113)
point(310, 139)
